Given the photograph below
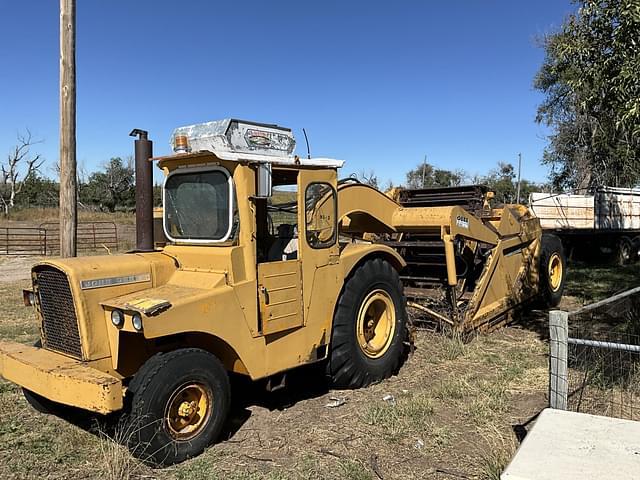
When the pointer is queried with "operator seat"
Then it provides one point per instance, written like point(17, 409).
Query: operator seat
point(285, 247)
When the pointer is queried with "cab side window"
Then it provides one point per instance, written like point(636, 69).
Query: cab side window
point(320, 215)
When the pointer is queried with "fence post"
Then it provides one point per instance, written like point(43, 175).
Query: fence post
point(558, 359)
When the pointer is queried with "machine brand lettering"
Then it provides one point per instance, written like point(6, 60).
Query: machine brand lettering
point(112, 281)
point(462, 222)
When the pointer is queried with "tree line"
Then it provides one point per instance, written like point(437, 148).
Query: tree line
point(112, 188)
point(590, 79)
point(22, 184)
point(502, 180)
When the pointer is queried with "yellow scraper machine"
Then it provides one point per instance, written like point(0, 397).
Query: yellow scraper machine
point(265, 262)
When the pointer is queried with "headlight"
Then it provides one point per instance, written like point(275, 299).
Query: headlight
point(29, 298)
point(117, 318)
point(136, 320)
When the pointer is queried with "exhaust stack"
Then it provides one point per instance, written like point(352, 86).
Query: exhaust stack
point(144, 190)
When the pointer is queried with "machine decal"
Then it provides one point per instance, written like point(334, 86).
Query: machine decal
point(111, 281)
point(462, 222)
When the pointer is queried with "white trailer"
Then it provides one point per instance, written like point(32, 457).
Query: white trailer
point(604, 222)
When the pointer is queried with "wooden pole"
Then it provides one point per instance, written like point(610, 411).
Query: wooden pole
point(68, 199)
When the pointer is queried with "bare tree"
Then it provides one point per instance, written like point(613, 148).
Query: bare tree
point(20, 164)
point(367, 176)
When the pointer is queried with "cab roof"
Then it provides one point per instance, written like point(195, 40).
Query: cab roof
point(245, 157)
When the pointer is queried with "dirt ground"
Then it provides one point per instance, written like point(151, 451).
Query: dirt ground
point(454, 411)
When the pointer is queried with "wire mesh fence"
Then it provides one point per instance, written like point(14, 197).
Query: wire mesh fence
point(595, 357)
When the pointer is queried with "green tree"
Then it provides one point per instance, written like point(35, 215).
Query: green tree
point(113, 189)
point(503, 182)
point(426, 175)
point(38, 191)
point(157, 195)
point(591, 81)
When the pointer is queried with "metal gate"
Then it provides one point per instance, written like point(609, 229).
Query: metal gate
point(45, 239)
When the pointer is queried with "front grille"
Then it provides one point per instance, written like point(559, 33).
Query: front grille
point(59, 321)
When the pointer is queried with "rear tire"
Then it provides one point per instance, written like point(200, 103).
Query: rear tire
point(625, 251)
point(178, 405)
point(635, 242)
point(552, 271)
point(369, 327)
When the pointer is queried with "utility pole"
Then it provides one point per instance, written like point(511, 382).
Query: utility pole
point(424, 167)
point(68, 187)
point(518, 188)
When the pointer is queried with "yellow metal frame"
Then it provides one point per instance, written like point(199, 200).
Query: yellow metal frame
point(554, 270)
point(60, 379)
point(376, 323)
point(210, 296)
point(188, 410)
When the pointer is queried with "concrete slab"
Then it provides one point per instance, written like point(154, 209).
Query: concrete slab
point(569, 445)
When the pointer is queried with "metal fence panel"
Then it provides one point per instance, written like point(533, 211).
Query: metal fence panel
point(45, 239)
point(23, 241)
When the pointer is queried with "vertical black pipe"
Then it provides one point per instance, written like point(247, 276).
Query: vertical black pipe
point(144, 190)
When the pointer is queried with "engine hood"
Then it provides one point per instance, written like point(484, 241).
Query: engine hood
point(96, 278)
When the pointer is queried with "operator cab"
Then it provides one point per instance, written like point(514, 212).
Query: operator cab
point(239, 185)
point(200, 201)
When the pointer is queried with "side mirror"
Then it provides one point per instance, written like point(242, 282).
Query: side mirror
point(264, 183)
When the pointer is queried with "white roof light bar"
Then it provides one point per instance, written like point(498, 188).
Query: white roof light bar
point(237, 136)
point(238, 140)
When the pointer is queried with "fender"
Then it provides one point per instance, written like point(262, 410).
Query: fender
point(354, 253)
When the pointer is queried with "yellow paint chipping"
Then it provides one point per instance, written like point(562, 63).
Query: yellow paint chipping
point(60, 378)
point(148, 306)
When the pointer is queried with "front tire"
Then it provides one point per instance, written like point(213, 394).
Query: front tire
point(42, 404)
point(369, 327)
point(179, 402)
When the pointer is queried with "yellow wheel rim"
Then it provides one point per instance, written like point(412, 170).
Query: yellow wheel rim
point(555, 271)
point(188, 410)
point(376, 323)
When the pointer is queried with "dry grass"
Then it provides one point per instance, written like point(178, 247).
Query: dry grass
point(455, 405)
point(17, 322)
point(115, 462)
point(39, 215)
point(410, 413)
point(497, 455)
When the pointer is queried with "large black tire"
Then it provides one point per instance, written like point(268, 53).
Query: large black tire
point(360, 353)
point(177, 405)
point(552, 271)
point(625, 252)
point(42, 404)
point(635, 243)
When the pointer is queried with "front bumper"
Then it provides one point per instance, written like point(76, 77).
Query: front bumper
point(59, 378)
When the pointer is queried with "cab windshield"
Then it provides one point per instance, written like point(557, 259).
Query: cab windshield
point(197, 206)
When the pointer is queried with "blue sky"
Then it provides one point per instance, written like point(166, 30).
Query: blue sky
point(379, 84)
